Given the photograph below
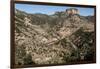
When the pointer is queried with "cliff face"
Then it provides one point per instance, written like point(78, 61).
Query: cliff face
point(53, 39)
point(72, 11)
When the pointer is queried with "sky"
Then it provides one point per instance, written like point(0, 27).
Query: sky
point(49, 10)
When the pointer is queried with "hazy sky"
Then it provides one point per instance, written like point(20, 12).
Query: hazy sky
point(51, 9)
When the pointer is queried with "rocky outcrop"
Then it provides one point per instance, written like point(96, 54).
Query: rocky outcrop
point(72, 11)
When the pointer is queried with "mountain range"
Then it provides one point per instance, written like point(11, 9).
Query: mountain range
point(53, 39)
